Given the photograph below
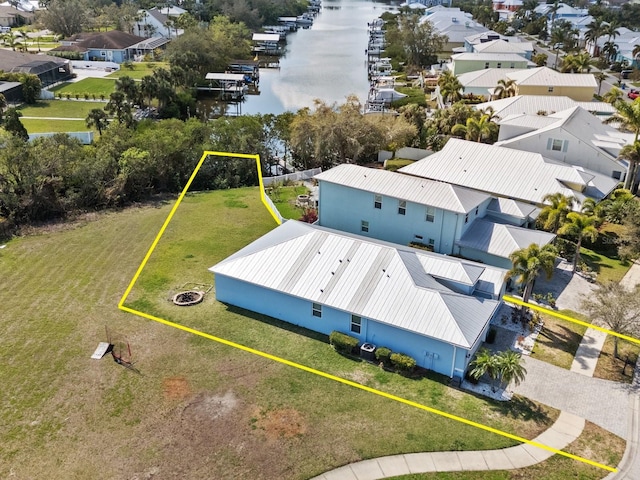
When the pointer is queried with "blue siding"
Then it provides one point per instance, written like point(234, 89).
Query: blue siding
point(344, 208)
point(428, 353)
point(117, 56)
point(484, 257)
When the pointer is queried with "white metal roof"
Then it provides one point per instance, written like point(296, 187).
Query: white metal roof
point(367, 278)
point(501, 240)
point(403, 187)
point(509, 173)
point(532, 104)
point(238, 77)
point(548, 77)
point(507, 206)
point(266, 37)
point(500, 46)
point(490, 57)
point(532, 122)
point(485, 78)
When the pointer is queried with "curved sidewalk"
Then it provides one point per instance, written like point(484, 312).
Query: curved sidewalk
point(565, 430)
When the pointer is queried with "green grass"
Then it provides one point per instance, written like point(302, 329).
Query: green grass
point(609, 269)
point(138, 71)
point(36, 125)
point(611, 368)
point(284, 198)
point(60, 108)
point(397, 163)
point(91, 86)
point(559, 340)
point(59, 289)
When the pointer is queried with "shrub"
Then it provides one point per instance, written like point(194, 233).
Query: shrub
point(383, 354)
point(491, 336)
point(402, 362)
point(343, 343)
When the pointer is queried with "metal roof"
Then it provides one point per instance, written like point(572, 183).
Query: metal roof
point(532, 104)
point(266, 37)
point(489, 57)
point(236, 77)
point(500, 46)
point(506, 206)
point(372, 279)
point(404, 187)
point(500, 239)
point(548, 77)
point(533, 122)
point(509, 173)
point(486, 78)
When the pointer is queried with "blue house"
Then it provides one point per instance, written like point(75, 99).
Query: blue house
point(406, 209)
point(432, 307)
point(112, 46)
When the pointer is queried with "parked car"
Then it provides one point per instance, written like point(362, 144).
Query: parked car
point(633, 94)
point(625, 74)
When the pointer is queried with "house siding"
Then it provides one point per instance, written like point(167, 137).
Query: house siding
point(465, 66)
point(579, 94)
point(429, 353)
point(484, 257)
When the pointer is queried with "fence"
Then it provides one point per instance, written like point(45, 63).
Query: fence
point(273, 207)
point(292, 177)
point(85, 137)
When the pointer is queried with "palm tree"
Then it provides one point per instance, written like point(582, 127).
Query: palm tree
point(580, 226)
point(129, 87)
point(484, 362)
point(476, 129)
point(610, 50)
point(97, 118)
point(3, 105)
point(148, 88)
point(635, 54)
point(553, 10)
point(582, 62)
point(527, 264)
point(628, 116)
point(509, 366)
point(450, 87)
point(554, 213)
point(613, 95)
point(611, 30)
point(506, 88)
point(558, 37)
point(600, 77)
point(595, 30)
point(631, 153)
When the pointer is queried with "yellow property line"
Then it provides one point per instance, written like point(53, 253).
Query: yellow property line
point(298, 365)
point(517, 301)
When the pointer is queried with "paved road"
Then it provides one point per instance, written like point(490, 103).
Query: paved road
point(602, 402)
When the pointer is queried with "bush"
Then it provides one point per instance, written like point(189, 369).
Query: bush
point(491, 336)
point(343, 343)
point(402, 362)
point(383, 354)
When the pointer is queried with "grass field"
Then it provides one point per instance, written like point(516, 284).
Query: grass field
point(91, 86)
point(197, 406)
point(36, 125)
point(558, 341)
point(138, 70)
point(608, 269)
point(60, 108)
point(284, 198)
point(611, 368)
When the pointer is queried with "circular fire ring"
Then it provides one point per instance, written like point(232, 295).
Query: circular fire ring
point(191, 297)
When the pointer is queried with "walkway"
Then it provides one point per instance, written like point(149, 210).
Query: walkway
point(564, 431)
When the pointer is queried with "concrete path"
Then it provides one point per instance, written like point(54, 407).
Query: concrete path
point(602, 402)
point(567, 287)
point(588, 352)
point(564, 431)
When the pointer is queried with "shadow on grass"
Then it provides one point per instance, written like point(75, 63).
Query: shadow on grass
point(561, 340)
point(523, 409)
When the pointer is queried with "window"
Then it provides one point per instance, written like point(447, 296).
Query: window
point(556, 145)
point(477, 210)
point(317, 310)
point(550, 89)
point(513, 65)
point(418, 237)
point(466, 218)
point(377, 201)
point(499, 65)
point(356, 324)
point(486, 65)
point(432, 242)
point(616, 174)
point(431, 214)
point(364, 226)
point(402, 207)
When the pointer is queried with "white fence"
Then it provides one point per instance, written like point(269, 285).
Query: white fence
point(85, 137)
point(292, 177)
point(273, 207)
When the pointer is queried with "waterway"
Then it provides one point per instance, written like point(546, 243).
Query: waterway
point(326, 61)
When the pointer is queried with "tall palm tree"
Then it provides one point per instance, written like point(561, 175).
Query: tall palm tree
point(97, 118)
point(600, 77)
point(528, 263)
point(628, 116)
point(580, 226)
point(631, 153)
point(613, 95)
point(553, 10)
point(484, 362)
point(510, 368)
point(582, 62)
point(611, 30)
point(610, 50)
point(506, 88)
point(450, 87)
point(635, 54)
point(129, 87)
point(476, 129)
point(595, 30)
point(557, 207)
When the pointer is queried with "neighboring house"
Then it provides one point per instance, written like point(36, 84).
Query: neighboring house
point(565, 12)
point(112, 46)
point(49, 69)
point(404, 209)
point(472, 62)
point(10, 16)
point(434, 308)
point(573, 136)
point(542, 104)
point(414, 4)
point(157, 22)
point(545, 81)
point(483, 82)
point(12, 91)
point(453, 23)
point(524, 49)
point(514, 174)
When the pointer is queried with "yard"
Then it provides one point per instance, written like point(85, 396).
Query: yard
point(284, 198)
point(59, 288)
point(609, 269)
point(137, 70)
point(100, 87)
point(611, 368)
point(558, 340)
point(60, 109)
point(37, 125)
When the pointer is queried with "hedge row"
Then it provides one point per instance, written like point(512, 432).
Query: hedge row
point(343, 343)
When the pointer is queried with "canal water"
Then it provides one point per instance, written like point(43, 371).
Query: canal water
point(326, 61)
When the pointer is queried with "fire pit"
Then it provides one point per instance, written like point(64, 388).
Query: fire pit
point(191, 297)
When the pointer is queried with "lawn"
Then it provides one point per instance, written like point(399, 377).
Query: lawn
point(100, 87)
point(609, 452)
point(197, 406)
point(611, 368)
point(284, 198)
point(37, 125)
point(397, 163)
point(60, 108)
point(138, 70)
point(559, 339)
point(609, 269)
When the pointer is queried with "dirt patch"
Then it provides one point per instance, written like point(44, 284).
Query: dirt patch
point(176, 388)
point(281, 423)
point(204, 407)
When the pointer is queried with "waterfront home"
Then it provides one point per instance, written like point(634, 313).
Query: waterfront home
point(542, 105)
point(472, 62)
point(524, 49)
point(112, 46)
point(545, 81)
point(454, 23)
point(435, 308)
point(158, 22)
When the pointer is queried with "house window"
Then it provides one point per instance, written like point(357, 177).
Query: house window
point(317, 310)
point(364, 226)
point(477, 208)
point(616, 174)
point(377, 201)
point(513, 65)
point(499, 65)
point(418, 237)
point(556, 145)
point(466, 218)
point(431, 242)
point(486, 65)
point(402, 207)
point(103, 53)
point(431, 214)
point(356, 323)
point(550, 89)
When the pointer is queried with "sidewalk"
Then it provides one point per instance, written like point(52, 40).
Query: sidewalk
point(564, 431)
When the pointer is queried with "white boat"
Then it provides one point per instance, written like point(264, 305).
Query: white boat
point(304, 19)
